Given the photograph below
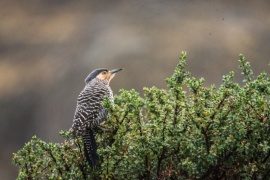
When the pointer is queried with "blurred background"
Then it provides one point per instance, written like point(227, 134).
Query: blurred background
point(47, 48)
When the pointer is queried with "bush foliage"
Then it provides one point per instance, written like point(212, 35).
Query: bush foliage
point(205, 133)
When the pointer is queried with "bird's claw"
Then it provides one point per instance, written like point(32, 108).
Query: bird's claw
point(103, 129)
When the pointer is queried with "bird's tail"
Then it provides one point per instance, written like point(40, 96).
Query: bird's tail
point(90, 147)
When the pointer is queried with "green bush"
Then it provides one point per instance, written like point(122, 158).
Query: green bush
point(205, 133)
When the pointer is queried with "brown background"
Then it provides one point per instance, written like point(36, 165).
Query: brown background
point(47, 48)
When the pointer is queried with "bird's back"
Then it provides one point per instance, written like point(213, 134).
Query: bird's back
point(89, 105)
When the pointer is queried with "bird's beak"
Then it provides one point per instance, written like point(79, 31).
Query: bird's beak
point(116, 70)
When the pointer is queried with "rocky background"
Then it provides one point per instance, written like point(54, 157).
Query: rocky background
point(47, 48)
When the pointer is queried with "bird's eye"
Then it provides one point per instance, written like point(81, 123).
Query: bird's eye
point(104, 72)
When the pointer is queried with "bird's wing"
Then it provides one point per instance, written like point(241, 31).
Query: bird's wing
point(88, 107)
point(102, 115)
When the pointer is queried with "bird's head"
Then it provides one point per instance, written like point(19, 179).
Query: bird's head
point(102, 74)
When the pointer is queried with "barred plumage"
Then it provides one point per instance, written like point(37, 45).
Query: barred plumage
point(89, 112)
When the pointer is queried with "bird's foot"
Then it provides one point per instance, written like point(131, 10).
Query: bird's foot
point(102, 123)
point(103, 129)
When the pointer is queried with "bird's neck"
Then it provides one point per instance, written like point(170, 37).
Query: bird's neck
point(105, 81)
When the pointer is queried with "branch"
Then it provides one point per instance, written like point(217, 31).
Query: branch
point(160, 158)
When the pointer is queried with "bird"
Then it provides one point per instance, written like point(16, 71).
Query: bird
point(89, 112)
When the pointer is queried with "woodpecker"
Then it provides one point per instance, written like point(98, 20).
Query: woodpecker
point(89, 112)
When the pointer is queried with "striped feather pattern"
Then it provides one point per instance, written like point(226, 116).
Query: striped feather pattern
point(90, 147)
point(89, 114)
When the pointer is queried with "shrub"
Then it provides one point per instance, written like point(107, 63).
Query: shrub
point(205, 133)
